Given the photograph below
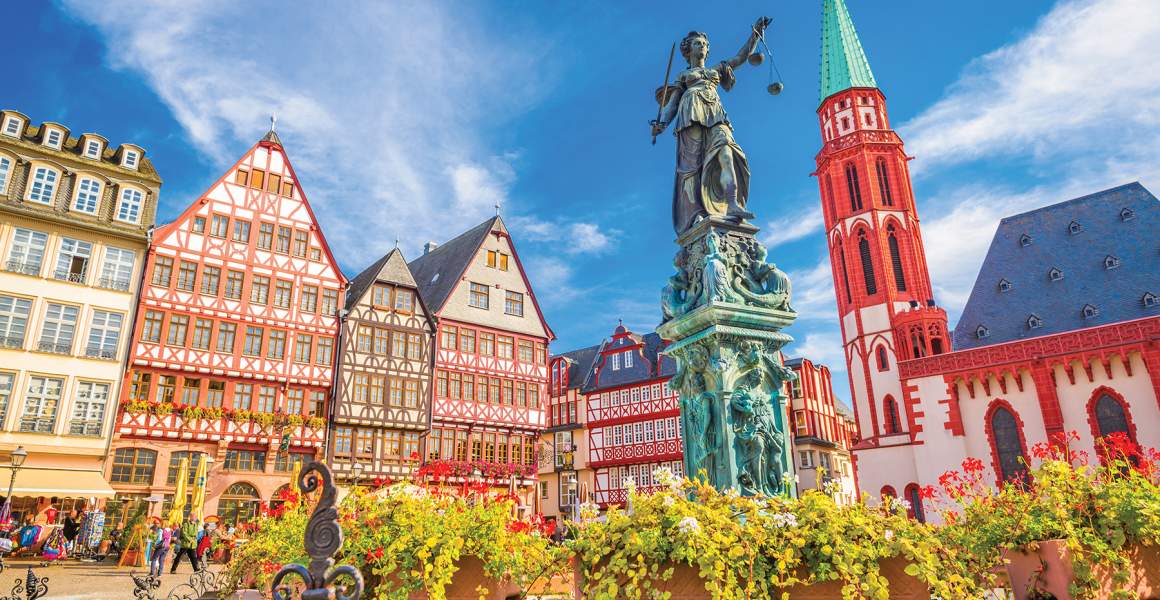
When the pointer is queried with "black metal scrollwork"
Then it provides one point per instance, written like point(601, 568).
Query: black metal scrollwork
point(323, 540)
point(30, 587)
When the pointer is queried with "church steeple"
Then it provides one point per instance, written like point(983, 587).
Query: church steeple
point(844, 63)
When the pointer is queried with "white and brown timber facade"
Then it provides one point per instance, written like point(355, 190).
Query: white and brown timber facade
point(382, 394)
point(491, 373)
point(74, 219)
point(234, 344)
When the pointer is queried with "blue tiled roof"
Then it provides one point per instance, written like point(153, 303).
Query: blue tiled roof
point(1106, 246)
point(648, 363)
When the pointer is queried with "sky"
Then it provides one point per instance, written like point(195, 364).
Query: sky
point(412, 120)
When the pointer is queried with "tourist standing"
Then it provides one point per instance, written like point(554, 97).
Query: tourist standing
point(162, 538)
point(187, 539)
point(72, 527)
point(205, 543)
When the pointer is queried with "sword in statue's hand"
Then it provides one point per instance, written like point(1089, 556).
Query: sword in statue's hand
point(664, 96)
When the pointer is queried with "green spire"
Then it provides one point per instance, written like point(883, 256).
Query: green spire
point(844, 63)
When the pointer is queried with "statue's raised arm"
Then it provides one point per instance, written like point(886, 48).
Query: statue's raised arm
point(712, 173)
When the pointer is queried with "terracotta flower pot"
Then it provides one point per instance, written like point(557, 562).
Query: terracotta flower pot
point(463, 584)
point(686, 584)
point(1048, 568)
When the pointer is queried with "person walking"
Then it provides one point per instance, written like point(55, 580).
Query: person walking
point(205, 544)
point(162, 539)
point(187, 539)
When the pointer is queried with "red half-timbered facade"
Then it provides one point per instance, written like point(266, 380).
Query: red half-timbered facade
point(490, 374)
point(823, 432)
point(234, 341)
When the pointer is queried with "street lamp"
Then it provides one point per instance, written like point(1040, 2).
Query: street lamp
point(19, 455)
point(357, 469)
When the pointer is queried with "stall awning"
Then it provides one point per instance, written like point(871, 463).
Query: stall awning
point(63, 483)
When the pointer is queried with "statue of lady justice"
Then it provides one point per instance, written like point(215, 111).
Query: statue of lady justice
point(712, 173)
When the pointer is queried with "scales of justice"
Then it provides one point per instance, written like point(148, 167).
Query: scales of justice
point(725, 306)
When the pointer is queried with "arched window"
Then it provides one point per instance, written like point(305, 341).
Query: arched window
point(830, 196)
point(1007, 444)
point(884, 182)
point(867, 264)
point(845, 275)
point(1111, 416)
point(914, 497)
point(917, 342)
point(895, 259)
point(883, 361)
point(279, 496)
point(890, 413)
point(887, 492)
point(239, 504)
point(852, 185)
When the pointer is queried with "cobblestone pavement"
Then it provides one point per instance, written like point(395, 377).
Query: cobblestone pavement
point(76, 580)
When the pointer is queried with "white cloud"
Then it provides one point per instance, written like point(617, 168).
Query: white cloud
point(813, 292)
point(570, 237)
point(794, 227)
point(385, 116)
point(552, 279)
point(821, 347)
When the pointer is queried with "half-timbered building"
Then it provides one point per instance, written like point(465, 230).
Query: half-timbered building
point(566, 478)
point(823, 432)
point(382, 402)
point(234, 343)
point(75, 212)
point(491, 372)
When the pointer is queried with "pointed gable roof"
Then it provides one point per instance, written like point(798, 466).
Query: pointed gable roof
point(438, 271)
point(844, 63)
point(581, 365)
point(391, 268)
point(992, 316)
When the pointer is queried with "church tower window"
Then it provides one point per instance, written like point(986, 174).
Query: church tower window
point(896, 259)
point(884, 182)
point(867, 264)
point(893, 421)
point(855, 189)
point(845, 274)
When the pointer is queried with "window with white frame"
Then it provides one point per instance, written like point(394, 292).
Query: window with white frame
point(129, 209)
point(635, 394)
point(7, 380)
point(628, 359)
point(12, 126)
point(638, 432)
point(648, 432)
point(117, 269)
point(88, 195)
point(60, 325)
point(93, 149)
point(72, 263)
point(129, 159)
point(806, 458)
point(27, 253)
point(671, 428)
point(41, 403)
point(104, 334)
point(5, 169)
point(617, 435)
point(13, 321)
point(567, 489)
point(615, 362)
point(53, 138)
point(563, 444)
point(646, 393)
point(89, 408)
point(44, 182)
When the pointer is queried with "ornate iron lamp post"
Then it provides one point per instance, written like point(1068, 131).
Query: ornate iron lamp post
point(19, 455)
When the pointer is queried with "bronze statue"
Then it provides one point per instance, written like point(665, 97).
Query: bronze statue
point(712, 177)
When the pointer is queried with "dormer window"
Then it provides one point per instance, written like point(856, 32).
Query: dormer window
point(982, 332)
point(93, 149)
point(1004, 285)
point(1111, 262)
point(628, 359)
point(53, 138)
point(1127, 214)
point(129, 207)
point(130, 158)
point(615, 362)
point(1055, 274)
point(43, 185)
point(1034, 322)
point(1025, 240)
point(1150, 300)
point(12, 127)
point(1074, 227)
point(1090, 312)
point(88, 195)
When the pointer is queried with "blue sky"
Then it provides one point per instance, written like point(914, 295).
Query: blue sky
point(412, 119)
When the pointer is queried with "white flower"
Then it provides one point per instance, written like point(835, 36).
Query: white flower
point(783, 520)
point(663, 476)
point(669, 501)
point(900, 505)
point(689, 525)
point(629, 483)
point(589, 510)
point(889, 535)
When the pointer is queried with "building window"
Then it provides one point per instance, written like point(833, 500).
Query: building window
point(267, 399)
point(227, 332)
point(514, 304)
point(7, 384)
point(210, 280)
point(478, 296)
point(1034, 322)
point(893, 419)
point(404, 301)
point(151, 326)
point(1111, 417)
point(283, 293)
point(616, 362)
point(166, 388)
point(245, 460)
point(317, 404)
point(133, 466)
point(260, 290)
point(72, 264)
point(981, 332)
point(266, 236)
point(525, 349)
point(89, 408)
point(301, 243)
point(1025, 240)
point(130, 159)
point(88, 196)
point(239, 504)
point(1111, 262)
point(295, 401)
point(5, 169)
point(895, 259)
point(40, 404)
point(282, 245)
point(12, 126)
point(302, 346)
point(187, 276)
point(1004, 285)
point(325, 349)
point(853, 187)
point(43, 185)
point(190, 391)
point(202, 328)
point(241, 231)
point(60, 324)
point(486, 344)
point(162, 271)
point(178, 327)
point(27, 253)
point(235, 280)
point(243, 396)
point(883, 361)
point(175, 459)
point(252, 345)
point(1074, 227)
point(497, 260)
point(1008, 446)
point(915, 499)
point(1126, 214)
point(1149, 300)
point(867, 264)
point(104, 335)
point(215, 394)
point(92, 149)
point(330, 302)
point(117, 269)
point(800, 425)
point(13, 321)
point(129, 210)
point(806, 458)
point(504, 346)
point(884, 182)
point(308, 299)
point(1090, 311)
point(199, 224)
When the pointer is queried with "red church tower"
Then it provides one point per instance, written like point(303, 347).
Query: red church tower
point(885, 303)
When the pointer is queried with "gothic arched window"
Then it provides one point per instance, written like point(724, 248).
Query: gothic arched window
point(884, 182)
point(895, 259)
point(845, 274)
point(855, 189)
point(883, 361)
point(830, 196)
point(867, 264)
point(1111, 417)
point(893, 420)
point(914, 497)
point(1007, 444)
